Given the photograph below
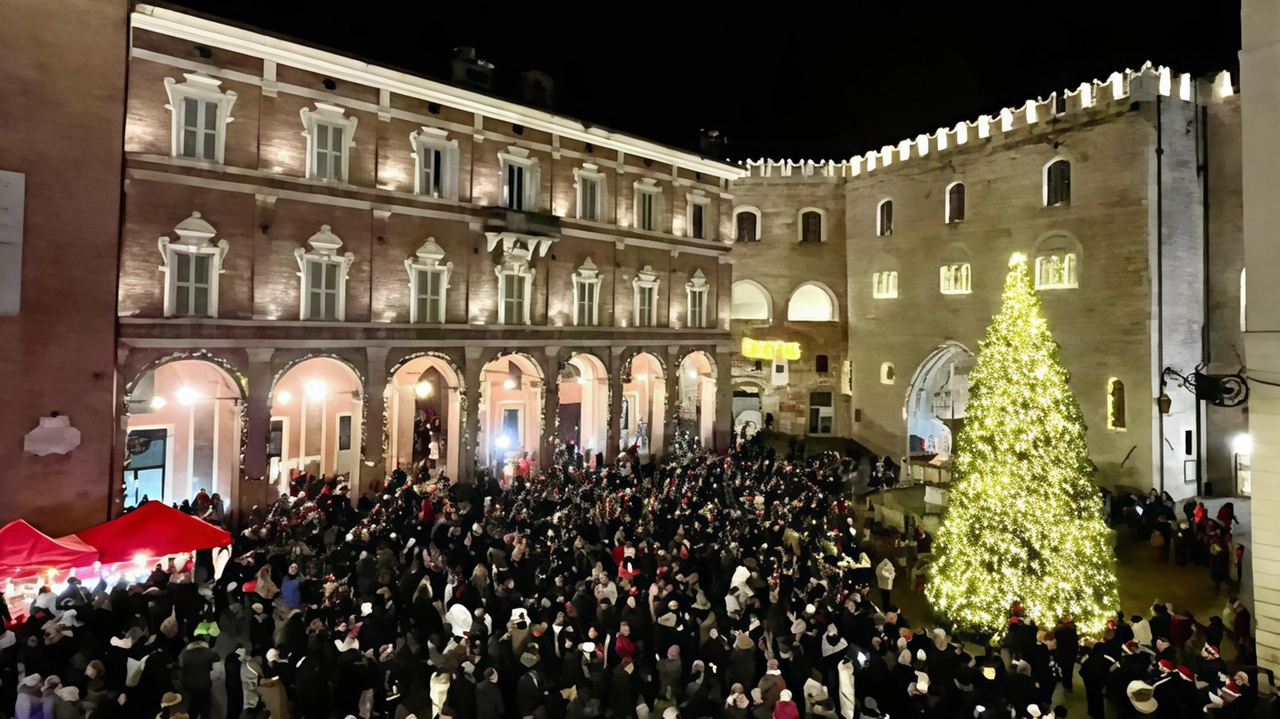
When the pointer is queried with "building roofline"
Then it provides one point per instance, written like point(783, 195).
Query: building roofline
point(258, 43)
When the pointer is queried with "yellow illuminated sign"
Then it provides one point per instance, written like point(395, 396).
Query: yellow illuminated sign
point(770, 349)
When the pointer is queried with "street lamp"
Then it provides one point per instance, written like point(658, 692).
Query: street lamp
point(422, 389)
point(186, 395)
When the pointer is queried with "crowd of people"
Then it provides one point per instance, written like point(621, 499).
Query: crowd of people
point(729, 587)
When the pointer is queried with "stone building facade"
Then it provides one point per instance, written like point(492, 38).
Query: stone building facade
point(1125, 197)
point(317, 252)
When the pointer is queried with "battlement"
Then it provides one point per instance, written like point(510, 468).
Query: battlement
point(1090, 99)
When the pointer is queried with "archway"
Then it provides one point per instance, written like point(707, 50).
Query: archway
point(184, 434)
point(936, 402)
point(644, 401)
point(510, 410)
point(584, 405)
point(748, 412)
point(697, 383)
point(424, 402)
point(317, 423)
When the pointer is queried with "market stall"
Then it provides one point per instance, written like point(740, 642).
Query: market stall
point(30, 558)
point(152, 531)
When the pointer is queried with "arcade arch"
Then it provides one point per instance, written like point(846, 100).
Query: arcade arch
point(697, 399)
point(510, 410)
point(583, 391)
point(644, 397)
point(317, 423)
point(936, 402)
point(424, 401)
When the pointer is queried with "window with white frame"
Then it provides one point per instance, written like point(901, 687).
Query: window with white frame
point(813, 227)
point(1056, 270)
point(696, 299)
point(330, 134)
point(697, 203)
point(746, 222)
point(520, 179)
point(646, 297)
point(515, 284)
point(428, 282)
point(1057, 183)
point(647, 210)
point(200, 111)
point(436, 159)
point(586, 295)
point(884, 285)
point(955, 278)
point(955, 202)
point(324, 277)
point(884, 218)
point(589, 182)
point(191, 265)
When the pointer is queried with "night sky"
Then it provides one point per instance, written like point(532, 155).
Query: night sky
point(778, 79)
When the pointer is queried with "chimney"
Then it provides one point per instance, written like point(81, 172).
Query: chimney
point(470, 70)
point(538, 89)
point(712, 143)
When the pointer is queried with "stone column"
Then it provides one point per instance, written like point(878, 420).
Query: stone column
point(615, 405)
point(724, 398)
point(374, 465)
point(468, 442)
point(671, 379)
point(255, 490)
point(550, 364)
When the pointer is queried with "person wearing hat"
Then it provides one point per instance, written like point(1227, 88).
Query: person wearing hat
point(772, 684)
point(1141, 698)
point(171, 705)
point(197, 662)
point(784, 707)
point(1211, 667)
point(489, 696)
point(33, 699)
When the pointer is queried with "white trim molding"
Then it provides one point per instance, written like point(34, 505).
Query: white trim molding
point(590, 173)
point(1063, 197)
point(946, 203)
point(435, 166)
point(696, 300)
point(323, 253)
point(586, 279)
point(884, 284)
point(749, 210)
point(530, 179)
point(697, 198)
point(645, 279)
point(319, 126)
point(194, 236)
point(515, 264)
point(203, 91)
point(881, 229)
point(427, 261)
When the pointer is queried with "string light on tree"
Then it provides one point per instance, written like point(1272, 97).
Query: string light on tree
point(1024, 523)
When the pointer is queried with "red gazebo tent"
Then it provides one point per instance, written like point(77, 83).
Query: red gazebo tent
point(152, 530)
point(26, 551)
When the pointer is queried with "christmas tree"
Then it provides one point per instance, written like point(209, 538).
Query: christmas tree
point(1024, 523)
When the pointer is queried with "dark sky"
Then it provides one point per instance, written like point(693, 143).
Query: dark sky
point(779, 79)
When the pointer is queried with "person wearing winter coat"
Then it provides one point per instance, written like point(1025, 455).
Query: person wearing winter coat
point(784, 708)
point(489, 696)
point(33, 701)
point(885, 572)
point(67, 704)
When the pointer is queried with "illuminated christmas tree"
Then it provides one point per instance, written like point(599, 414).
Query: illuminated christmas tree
point(1024, 522)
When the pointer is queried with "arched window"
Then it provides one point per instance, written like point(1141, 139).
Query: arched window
point(887, 373)
point(1115, 404)
point(812, 226)
point(884, 285)
point(1057, 262)
point(955, 202)
point(747, 224)
point(750, 302)
point(884, 219)
point(812, 302)
point(1057, 183)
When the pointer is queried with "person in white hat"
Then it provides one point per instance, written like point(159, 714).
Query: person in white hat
point(1142, 696)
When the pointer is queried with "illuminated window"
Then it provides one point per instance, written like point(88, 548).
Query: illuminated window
point(821, 364)
point(1055, 269)
point(955, 279)
point(812, 302)
point(200, 112)
point(747, 224)
point(521, 179)
point(589, 182)
point(329, 134)
point(884, 218)
point(696, 299)
point(586, 295)
point(696, 215)
point(821, 412)
point(1057, 183)
point(436, 158)
point(955, 202)
point(887, 373)
point(884, 285)
point(645, 286)
point(1115, 405)
point(811, 226)
point(750, 302)
point(428, 282)
point(647, 210)
point(324, 277)
point(192, 265)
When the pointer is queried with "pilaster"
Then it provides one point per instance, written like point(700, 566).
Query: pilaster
point(254, 487)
